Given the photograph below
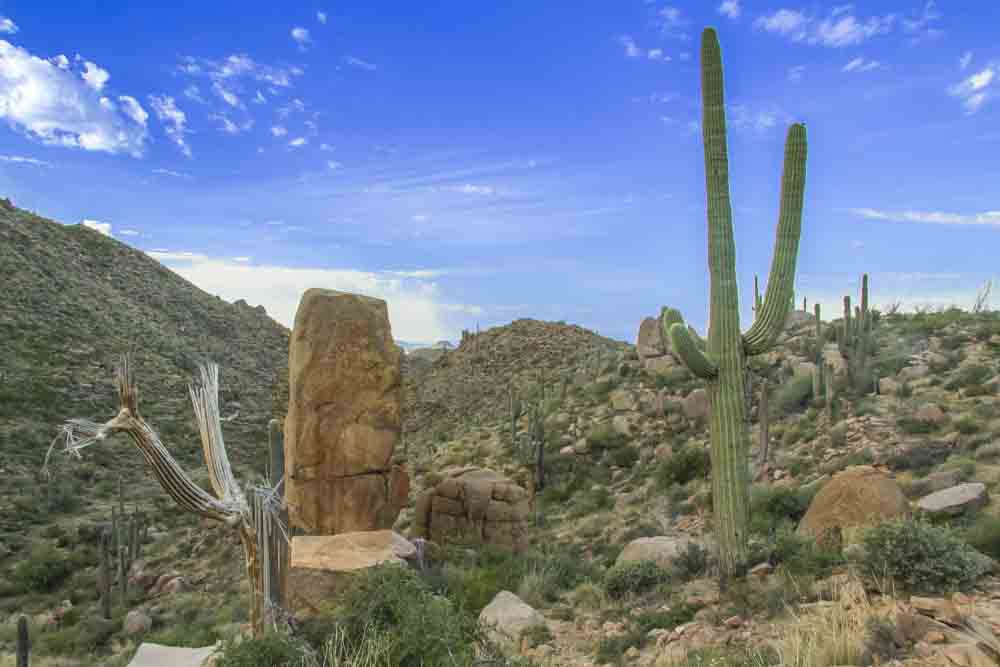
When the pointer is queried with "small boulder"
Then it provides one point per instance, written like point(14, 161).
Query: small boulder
point(956, 500)
point(506, 617)
point(911, 373)
point(929, 413)
point(662, 550)
point(649, 343)
point(696, 404)
point(137, 622)
point(856, 497)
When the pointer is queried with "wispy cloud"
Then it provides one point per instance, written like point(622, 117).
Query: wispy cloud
point(861, 65)
point(61, 107)
point(730, 9)
point(672, 23)
point(229, 126)
point(742, 117)
point(21, 159)
point(471, 189)
point(301, 37)
point(632, 50)
point(839, 28)
point(321, 17)
point(279, 131)
point(333, 165)
point(298, 141)
point(977, 89)
point(171, 173)
point(795, 73)
point(7, 26)
point(965, 60)
point(920, 24)
point(174, 120)
point(358, 62)
point(129, 232)
point(990, 218)
point(193, 93)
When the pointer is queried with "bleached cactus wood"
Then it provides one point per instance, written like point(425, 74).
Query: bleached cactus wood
point(723, 362)
point(253, 519)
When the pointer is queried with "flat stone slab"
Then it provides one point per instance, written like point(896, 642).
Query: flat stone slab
point(955, 500)
point(350, 551)
point(157, 655)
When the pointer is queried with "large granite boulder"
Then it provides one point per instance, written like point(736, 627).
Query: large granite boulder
point(157, 655)
point(474, 506)
point(322, 568)
point(343, 418)
point(857, 497)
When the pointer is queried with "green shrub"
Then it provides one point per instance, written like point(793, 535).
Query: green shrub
point(43, 571)
point(922, 458)
point(272, 650)
point(633, 578)
point(691, 563)
point(688, 463)
point(973, 374)
point(920, 557)
point(794, 394)
point(802, 556)
point(772, 506)
point(624, 457)
point(603, 437)
point(984, 535)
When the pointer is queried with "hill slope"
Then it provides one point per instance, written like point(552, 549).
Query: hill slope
point(75, 299)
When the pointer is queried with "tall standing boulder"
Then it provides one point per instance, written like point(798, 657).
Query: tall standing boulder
point(343, 418)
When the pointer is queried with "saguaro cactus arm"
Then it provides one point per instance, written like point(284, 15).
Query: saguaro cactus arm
point(685, 347)
point(771, 318)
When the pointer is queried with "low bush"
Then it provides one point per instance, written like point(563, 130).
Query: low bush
point(43, 571)
point(688, 463)
point(633, 578)
point(919, 557)
point(984, 535)
point(272, 650)
point(794, 394)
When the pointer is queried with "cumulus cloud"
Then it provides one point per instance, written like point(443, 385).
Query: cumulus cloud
point(7, 26)
point(730, 9)
point(102, 227)
point(416, 306)
point(861, 65)
point(174, 120)
point(301, 37)
point(60, 61)
point(95, 76)
point(358, 62)
point(991, 218)
point(838, 29)
point(976, 89)
point(60, 107)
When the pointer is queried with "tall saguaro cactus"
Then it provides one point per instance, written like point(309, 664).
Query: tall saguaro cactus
point(723, 362)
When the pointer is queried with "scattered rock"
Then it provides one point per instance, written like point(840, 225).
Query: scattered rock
point(911, 373)
point(696, 404)
point(930, 413)
point(661, 549)
point(506, 617)
point(956, 500)
point(137, 622)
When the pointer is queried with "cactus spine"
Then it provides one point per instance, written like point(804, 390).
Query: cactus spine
point(723, 363)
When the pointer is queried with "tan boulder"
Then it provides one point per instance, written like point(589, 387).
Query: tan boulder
point(659, 365)
point(857, 497)
point(649, 343)
point(474, 506)
point(322, 568)
point(343, 418)
point(696, 404)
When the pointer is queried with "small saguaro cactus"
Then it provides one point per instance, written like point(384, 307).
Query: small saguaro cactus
point(723, 362)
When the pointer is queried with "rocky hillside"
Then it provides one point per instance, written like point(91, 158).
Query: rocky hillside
point(74, 300)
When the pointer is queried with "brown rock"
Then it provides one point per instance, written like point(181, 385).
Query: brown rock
point(476, 506)
point(649, 343)
point(322, 568)
point(856, 497)
point(343, 416)
point(696, 404)
point(929, 413)
point(659, 365)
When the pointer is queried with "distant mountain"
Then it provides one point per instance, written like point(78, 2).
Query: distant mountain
point(74, 299)
point(440, 345)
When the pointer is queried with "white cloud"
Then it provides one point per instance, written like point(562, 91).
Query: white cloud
point(129, 232)
point(333, 165)
point(279, 131)
point(920, 24)
point(298, 141)
point(838, 29)
point(321, 17)
point(976, 89)
point(227, 95)
point(134, 110)
point(7, 26)
point(20, 159)
point(301, 37)
point(295, 106)
point(193, 93)
point(174, 120)
point(236, 75)
point(60, 61)
point(358, 62)
point(632, 50)
point(421, 217)
point(672, 24)
point(991, 218)
point(94, 76)
point(471, 189)
point(229, 126)
point(102, 227)
point(795, 73)
point(861, 65)
point(170, 172)
point(742, 117)
point(259, 98)
point(730, 9)
point(58, 107)
point(965, 60)
point(325, 147)
point(417, 310)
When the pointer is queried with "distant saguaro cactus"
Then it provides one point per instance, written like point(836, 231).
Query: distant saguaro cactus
point(723, 362)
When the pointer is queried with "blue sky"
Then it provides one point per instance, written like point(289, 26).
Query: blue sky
point(480, 163)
